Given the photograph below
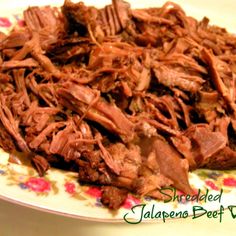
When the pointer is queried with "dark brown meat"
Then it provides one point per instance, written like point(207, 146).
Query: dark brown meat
point(145, 16)
point(121, 169)
point(146, 184)
point(205, 143)
point(71, 142)
point(225, 91)
point(48, 22)
point(172, 78)
point(27, 63)
point(172, 165)
point(36, 118)
point(184, 146)
point(41, 137)
point(6, 142)
point(88, 102)
point(209, 105)
point(15, 39)
point(4, 78)
point(223, 160)
point(41, 164)
point(108, 21)
point(113, 197)
point(92, 168)
point(12, 126)
point(126, 160)
point(221, 125)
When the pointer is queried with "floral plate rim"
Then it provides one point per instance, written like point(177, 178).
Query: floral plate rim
point(12, 189)
point(21, 185)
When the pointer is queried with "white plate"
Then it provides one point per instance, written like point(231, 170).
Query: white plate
point(59, 191)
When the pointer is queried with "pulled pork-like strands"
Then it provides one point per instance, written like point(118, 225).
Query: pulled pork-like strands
point(131, 99)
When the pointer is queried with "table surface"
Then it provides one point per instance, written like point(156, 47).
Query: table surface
point(17, 220)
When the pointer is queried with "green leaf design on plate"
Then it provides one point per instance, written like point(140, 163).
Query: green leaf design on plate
point(54, 187)
point(79, 196)
point(31, 172)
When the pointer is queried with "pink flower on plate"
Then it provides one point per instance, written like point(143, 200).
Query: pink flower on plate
point(182, 196)
point(130, 201)
point(39, 185)
point(94, 192)
point(230, 182)
point(211, 184)
point(69, 187)
point(19, 20)
point(4, 22)
point(21, 23)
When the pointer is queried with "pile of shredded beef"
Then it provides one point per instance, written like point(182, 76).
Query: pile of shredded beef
point(130, 99)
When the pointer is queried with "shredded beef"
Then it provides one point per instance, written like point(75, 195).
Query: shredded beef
point(41, 164)
point(131, 99)
point(113, 197)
